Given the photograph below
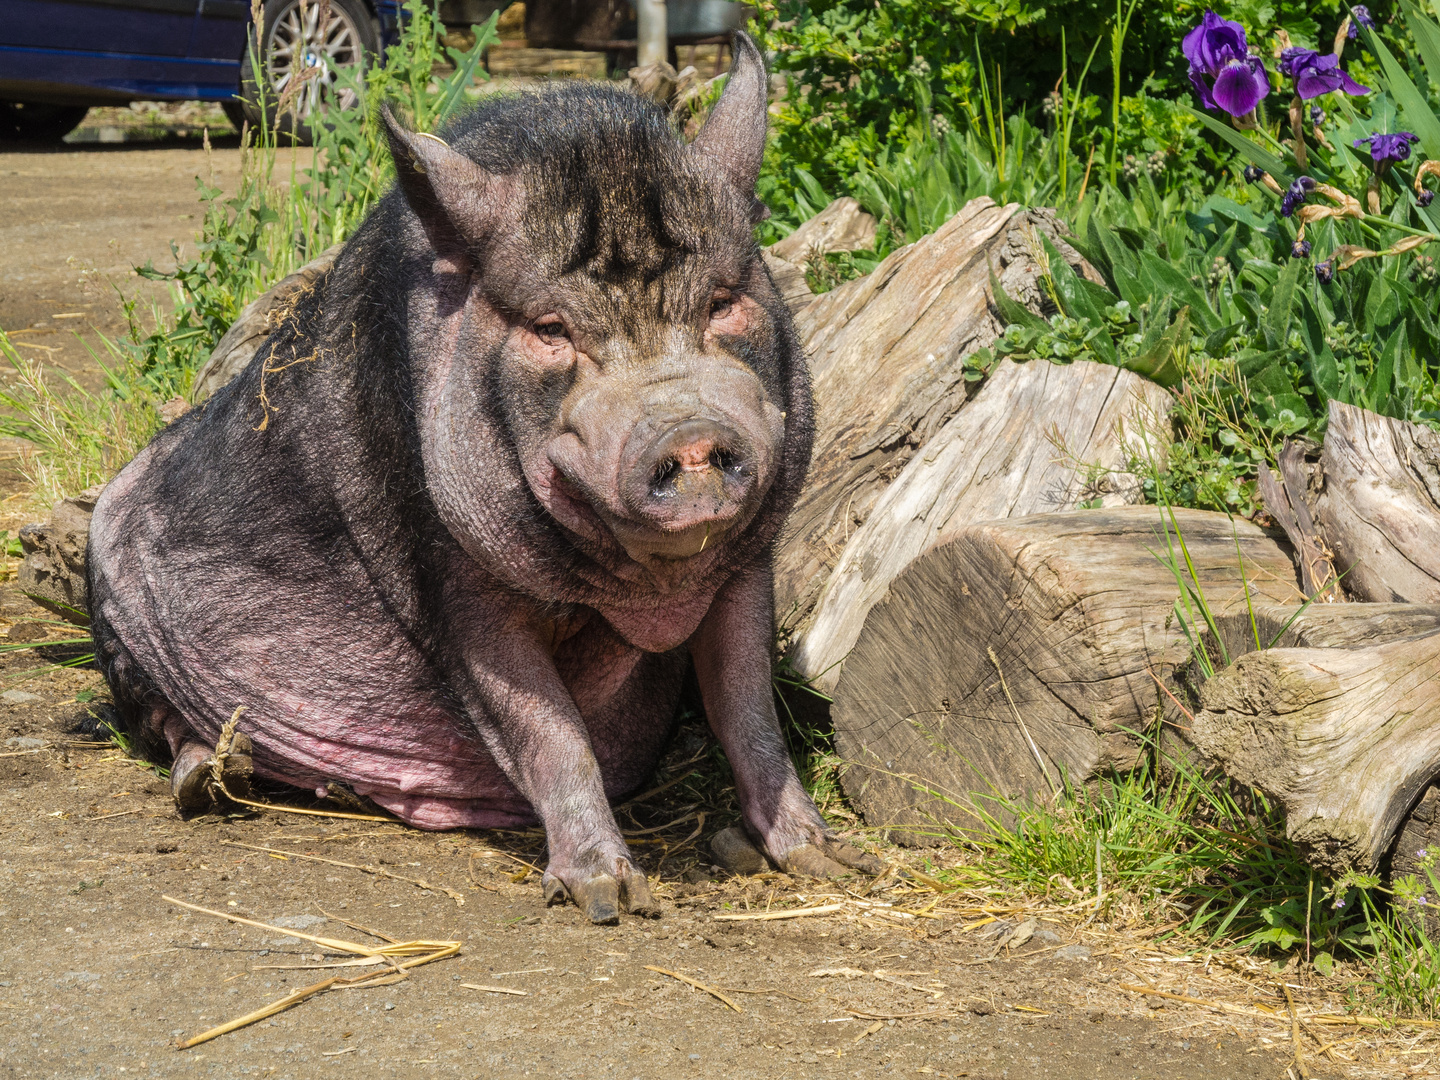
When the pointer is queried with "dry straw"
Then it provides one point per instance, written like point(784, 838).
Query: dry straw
point(414, 953)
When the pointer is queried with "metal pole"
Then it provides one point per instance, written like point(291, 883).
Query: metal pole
point(653, 43)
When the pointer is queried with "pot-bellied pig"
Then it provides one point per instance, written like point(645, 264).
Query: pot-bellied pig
point(448, 537)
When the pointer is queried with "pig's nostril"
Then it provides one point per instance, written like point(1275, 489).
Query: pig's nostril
point(722, 459)
point(665, 472)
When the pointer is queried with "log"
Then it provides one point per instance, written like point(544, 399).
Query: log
point(234, 351)
point(1379, 507)
point(1288, 498)
point(790, 280)
point(1000, 456)
point(1028, 644)
point(841, 226)
point(1345, 740)
point(1417, 854)
point(887, 362)
point(53, 571)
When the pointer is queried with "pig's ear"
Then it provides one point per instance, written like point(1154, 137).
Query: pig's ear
point(733, 138)
point(459, 204)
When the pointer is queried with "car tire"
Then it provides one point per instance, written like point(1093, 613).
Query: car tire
point(235, 112)
point(350, 37)
point(29, 121)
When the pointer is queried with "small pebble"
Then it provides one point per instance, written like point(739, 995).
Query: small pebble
point(389, 1005)
point(18, 697)
point(694, 1057)
point(1072, 952)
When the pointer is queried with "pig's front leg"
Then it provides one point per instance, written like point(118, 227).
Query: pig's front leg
point(732, 660)
point(532, 728)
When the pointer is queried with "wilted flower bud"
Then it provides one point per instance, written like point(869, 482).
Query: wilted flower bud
point(1325, 273)
point(1254, 174)
point(1426, 197)
point(1155, 163)
point(1300, 249)
point(920, 68)
point(1317, 114)
point(1387, 148)
point(1051, 105)
point(1295, 195)
point(1360, 16)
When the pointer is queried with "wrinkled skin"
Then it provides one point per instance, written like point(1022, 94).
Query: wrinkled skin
point(450, 535)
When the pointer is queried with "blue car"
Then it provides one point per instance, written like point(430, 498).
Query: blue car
point(59, 57)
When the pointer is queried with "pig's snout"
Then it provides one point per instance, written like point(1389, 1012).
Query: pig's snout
point(698, 472)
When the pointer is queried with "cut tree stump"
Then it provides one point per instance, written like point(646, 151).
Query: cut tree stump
point(887, 361)
point(1346, 740)
point(1379, 506)
point(1010, 452)
point(1028, 644)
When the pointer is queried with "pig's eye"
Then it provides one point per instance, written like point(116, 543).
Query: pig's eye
point(721, 306)
point(551, 331)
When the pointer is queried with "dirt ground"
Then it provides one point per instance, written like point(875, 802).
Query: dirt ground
point(75, 219)
point(100, 976)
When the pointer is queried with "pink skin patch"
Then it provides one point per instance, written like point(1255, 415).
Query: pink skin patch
point(696, 456)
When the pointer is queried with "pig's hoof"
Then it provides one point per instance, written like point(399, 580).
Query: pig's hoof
point(603, 896)
point(829, 859)
point(192, 779)
point(734, 852)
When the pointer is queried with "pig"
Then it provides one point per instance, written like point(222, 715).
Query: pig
point(451, 535)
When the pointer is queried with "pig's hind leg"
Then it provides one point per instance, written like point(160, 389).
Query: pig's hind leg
point(157, 729)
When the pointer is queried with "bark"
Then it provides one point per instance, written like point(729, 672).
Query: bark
point(1025, 644)
point(1346, 740)
point(1288, 498)
point(1012, 451)
point(1379, 507)
point(887, 360)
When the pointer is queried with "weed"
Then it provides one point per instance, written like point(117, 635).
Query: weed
point(77, 439)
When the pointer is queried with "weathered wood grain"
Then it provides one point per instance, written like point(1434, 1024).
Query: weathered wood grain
point(1011, 451)
point(1346, 740)
point(1379, 507)
point(1076, 611)
point(841, 226)
point(886, 354)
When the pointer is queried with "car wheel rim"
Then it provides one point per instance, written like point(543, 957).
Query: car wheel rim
point(303, 52)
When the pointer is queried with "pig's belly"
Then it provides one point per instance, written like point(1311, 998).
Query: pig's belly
point(332, 690)
point(358, 713)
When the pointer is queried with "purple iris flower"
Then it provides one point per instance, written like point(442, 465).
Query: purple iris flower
point(1295, 195)
point(1217, 50)
point(1315, 74)
point(1387, 148)
point(1426, 197)
point(1360, 16)
point(1300, 249)
point(1325, 273)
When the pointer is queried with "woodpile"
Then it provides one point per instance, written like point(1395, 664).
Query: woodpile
point(982, 636)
